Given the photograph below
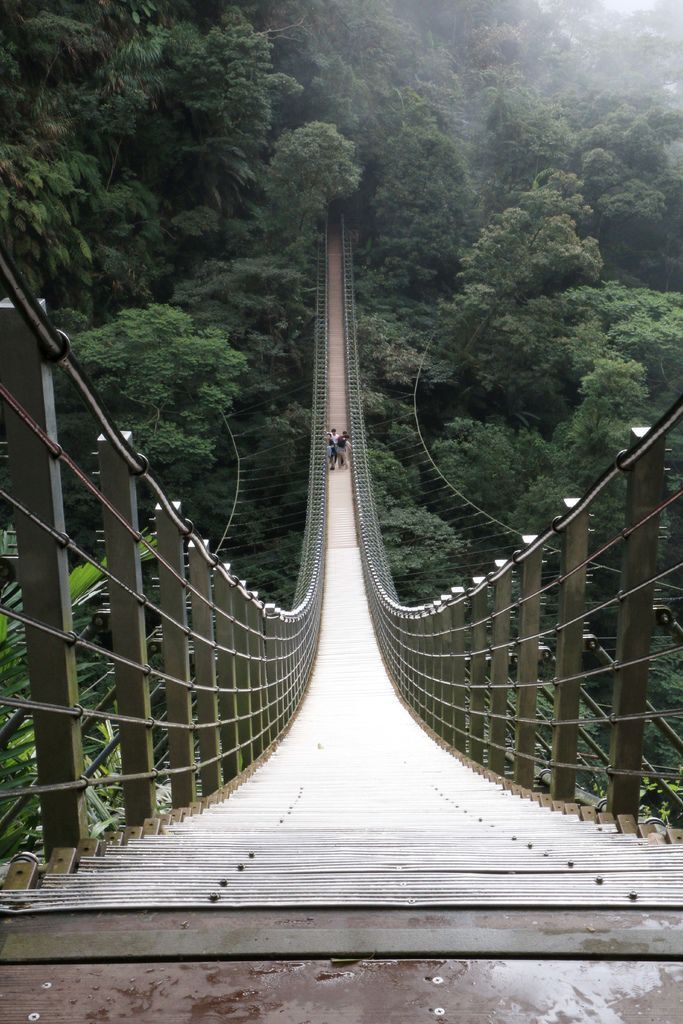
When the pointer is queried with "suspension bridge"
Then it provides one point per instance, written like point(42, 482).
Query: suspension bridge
point(377, 811)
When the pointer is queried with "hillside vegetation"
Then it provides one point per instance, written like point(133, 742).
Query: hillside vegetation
point(511, 170)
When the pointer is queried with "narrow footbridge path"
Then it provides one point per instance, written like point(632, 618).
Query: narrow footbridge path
point(358, 805)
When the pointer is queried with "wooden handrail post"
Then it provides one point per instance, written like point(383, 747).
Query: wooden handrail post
point(478, 672)
point(257, 674)
point(442, 668)
point(271, 628)
point(436, 643)
point(467, 636)
point(416, 661)
point(202, 604)
point(634, 627)
point(285, 673)
point(243, 692)
point(424, 646)
point(226, 674)
point(128, 629)
point(500, 670)
point(175, 647)
point(398, 670)
point(458, 669)
point(44, 578)
point(291, 690)
point(569, 656)
point(527, 667)
point(411, 659)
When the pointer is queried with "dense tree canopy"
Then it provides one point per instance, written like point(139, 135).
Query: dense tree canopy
point(512, 171)
point(311, 166)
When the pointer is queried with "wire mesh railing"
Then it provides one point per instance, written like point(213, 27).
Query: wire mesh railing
point(146, 679)
point(564, 663)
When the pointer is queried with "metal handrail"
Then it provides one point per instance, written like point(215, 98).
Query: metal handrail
point(450, 656)
point(231, 668)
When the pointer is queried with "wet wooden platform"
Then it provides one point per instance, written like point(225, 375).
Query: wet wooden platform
point(361, 992)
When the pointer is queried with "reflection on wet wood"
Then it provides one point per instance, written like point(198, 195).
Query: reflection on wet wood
point(345, 992)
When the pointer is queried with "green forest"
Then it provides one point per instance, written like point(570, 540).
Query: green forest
point(512, 174)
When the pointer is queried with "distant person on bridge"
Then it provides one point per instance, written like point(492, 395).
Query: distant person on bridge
point(343, 447)
point(332, 447)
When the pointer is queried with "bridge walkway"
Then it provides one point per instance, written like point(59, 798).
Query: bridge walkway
point(358, 806)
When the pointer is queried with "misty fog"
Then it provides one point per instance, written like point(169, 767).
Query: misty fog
point(629, 6)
